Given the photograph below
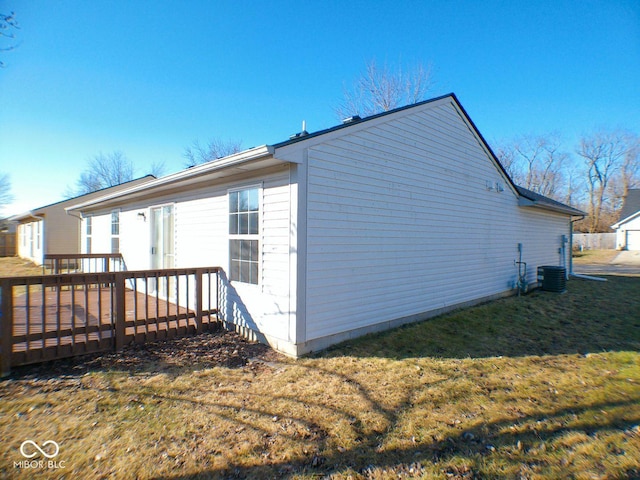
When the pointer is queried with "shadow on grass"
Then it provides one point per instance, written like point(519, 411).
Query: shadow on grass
point(590, 317)
point(514, 441)
point(519, 449)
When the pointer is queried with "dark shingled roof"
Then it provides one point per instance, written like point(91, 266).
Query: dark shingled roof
point(357, 120)
point(546, 201)
point(631, 204)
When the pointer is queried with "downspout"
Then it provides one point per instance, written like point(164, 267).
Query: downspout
point(571, 243)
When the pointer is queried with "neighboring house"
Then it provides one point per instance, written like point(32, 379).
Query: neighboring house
point(628, 227)
point(357, 228)
point(51, 230)
point(7, 238)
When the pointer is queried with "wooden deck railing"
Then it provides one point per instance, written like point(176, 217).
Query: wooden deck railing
point(50, 317)
point(55, 263)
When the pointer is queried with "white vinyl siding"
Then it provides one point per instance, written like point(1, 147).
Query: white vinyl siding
point(203, 238)
point(201, 217)
point(400, 222)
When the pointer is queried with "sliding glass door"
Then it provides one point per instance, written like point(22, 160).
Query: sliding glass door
point(163, 247)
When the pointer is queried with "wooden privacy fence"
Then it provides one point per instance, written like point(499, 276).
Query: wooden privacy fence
point(50, 317)
point(7, 244)
point(594, 241)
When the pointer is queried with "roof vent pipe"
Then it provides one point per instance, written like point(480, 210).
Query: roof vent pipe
point(352, 119)
point(302, 133)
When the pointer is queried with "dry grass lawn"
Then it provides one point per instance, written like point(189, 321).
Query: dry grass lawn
point(541, 386)
point(18, 267)
point(598, 257)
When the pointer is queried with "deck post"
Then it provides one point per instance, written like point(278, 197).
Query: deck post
point(6, 326)
point(218, 287)
point(198, 276)
point(119, 320)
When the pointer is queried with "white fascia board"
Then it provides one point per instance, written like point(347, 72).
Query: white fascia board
point(28, 215)
point(625, 220)
point(184, 175)
point(21, 216)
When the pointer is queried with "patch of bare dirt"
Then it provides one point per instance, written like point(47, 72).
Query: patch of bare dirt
point(208, 350)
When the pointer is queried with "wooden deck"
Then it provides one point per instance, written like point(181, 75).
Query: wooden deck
point(66, 310)
point(100, 312)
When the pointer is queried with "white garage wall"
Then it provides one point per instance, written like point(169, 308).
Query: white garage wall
point(629, 235)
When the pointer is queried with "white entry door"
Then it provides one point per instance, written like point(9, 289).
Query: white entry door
point(163, 247)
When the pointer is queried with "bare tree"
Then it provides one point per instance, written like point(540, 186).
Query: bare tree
point(216, 148)
point(380, 89)
point(603, 153)
point(609, 167)
point(5, 190)
point(103, 171)
point(626, 177)
point(630, 171)
point(536, 162)
point(158, 168)
point(508, 157)
point(574, 184)
point(8, 25)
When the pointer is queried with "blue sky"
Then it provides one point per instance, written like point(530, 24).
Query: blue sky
point(150, 77)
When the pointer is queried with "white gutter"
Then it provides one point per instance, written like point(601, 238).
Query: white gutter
point(528, 203)
point(226, 162)
point(24, 216)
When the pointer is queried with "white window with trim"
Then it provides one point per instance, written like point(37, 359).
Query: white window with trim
point(244, 235)
point(88, 234)
point(115, 231)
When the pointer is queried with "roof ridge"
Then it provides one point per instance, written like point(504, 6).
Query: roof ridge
point(298, 138)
